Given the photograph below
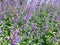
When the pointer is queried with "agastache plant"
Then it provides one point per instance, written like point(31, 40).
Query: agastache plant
point(15, 39)
point(28, 12)
point(29, 22)
point(2, 11)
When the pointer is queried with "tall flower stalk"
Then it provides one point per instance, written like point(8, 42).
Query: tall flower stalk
point(15, 38)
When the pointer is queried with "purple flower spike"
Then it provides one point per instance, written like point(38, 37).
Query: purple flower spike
point(0, 30)
point(16, 2)
point(55, 39)
point(1, 17)
point(13, 44)
point(34, 26)
point(15, 39)
point(29, 15)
